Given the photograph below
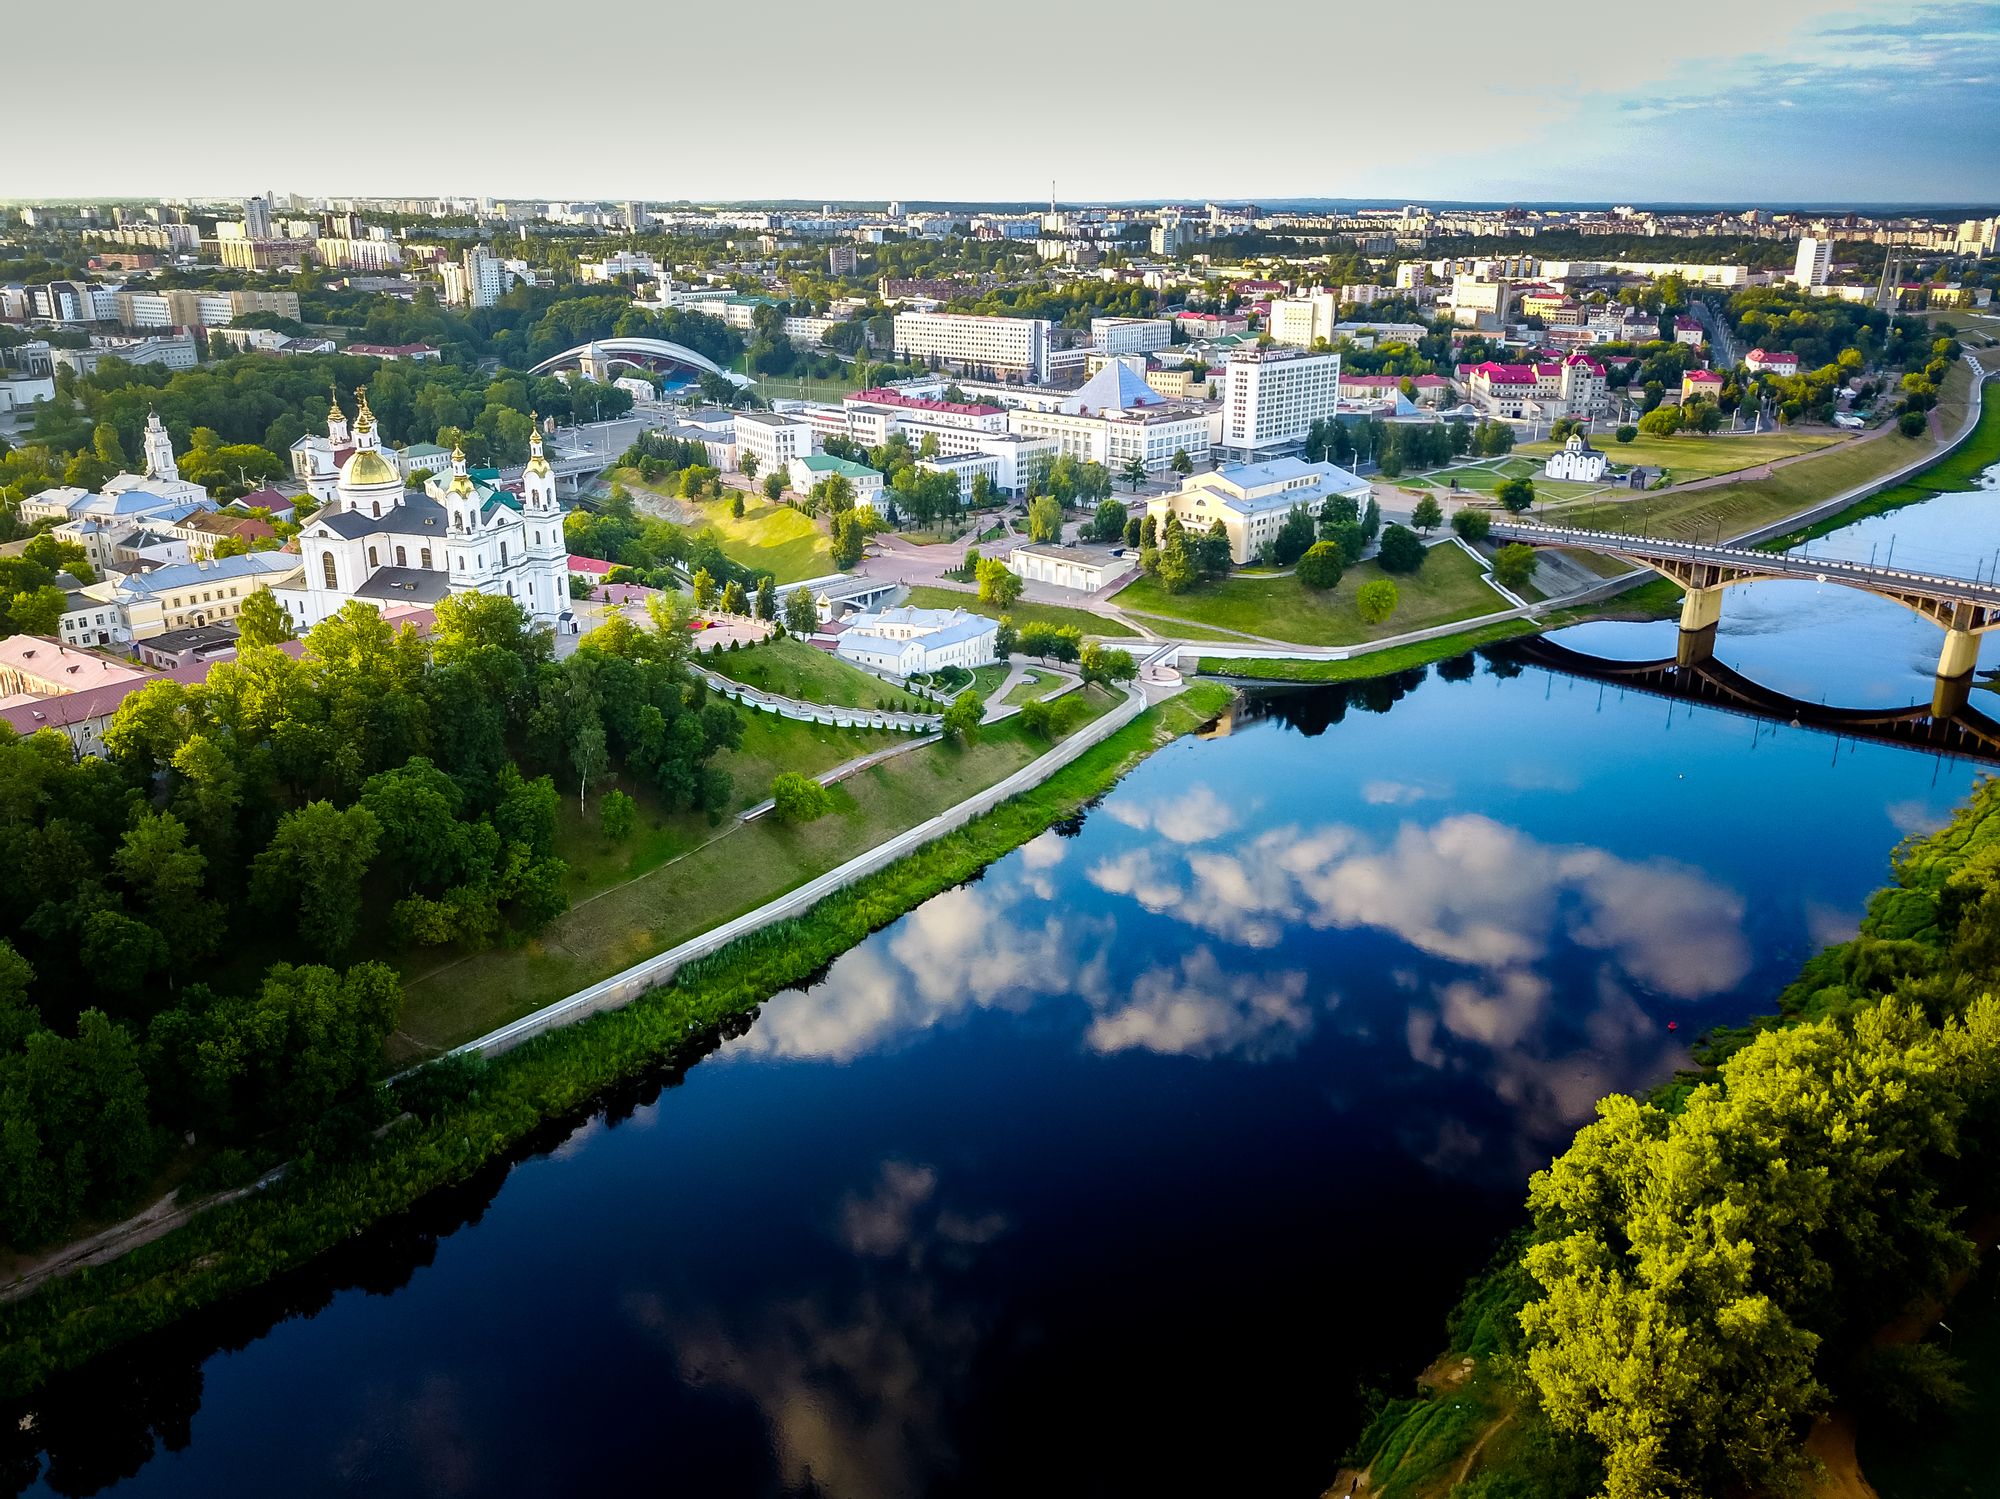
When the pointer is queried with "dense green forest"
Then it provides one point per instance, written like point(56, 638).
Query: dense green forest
point(1705, 1271)
point(191, 930)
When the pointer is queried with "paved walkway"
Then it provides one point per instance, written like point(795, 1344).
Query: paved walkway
point(621, 989)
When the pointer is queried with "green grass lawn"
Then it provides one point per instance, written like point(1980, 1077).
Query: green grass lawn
point(1698, 457)
point(791, 668)
point(1023, 612)
point(774, 539)
point(986, 680)
point(1034, 685)
point(702, 884)
point(1484, 480)
point(1449, 586)
point(1731, 509)
point(792, 388)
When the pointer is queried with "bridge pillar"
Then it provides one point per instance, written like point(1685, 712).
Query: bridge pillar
point(1959, 656)
point(1950, 694)
point(1701, 610)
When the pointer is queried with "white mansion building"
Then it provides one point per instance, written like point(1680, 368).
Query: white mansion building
point(378, 543)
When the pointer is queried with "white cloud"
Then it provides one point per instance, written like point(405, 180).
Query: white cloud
point(1466, 889)
point(1195, 1009)
point(1197, 815)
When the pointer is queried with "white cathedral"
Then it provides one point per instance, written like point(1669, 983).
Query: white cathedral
point(376, 542)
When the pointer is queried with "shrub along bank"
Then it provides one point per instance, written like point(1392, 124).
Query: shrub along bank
point(455, 1116)
point(1707, 1271)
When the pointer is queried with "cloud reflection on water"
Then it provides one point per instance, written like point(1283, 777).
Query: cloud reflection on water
point(857, 1385)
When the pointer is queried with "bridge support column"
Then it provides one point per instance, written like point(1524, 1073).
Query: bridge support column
point(1701, 610)
point(1959, 656)
point(1949, 694)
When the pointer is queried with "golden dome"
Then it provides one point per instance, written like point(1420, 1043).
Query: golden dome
point(366, 468)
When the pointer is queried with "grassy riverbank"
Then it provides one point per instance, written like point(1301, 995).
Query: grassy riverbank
point(1450, 585)
point(457, 1119)
point(1368, 664)
point(1728, 510)
point(730, 870)
point(1955, 472)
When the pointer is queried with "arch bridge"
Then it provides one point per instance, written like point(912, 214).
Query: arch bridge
point(1964, 608)
point(652, 355)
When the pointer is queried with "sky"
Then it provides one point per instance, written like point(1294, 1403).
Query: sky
point(1711, 101)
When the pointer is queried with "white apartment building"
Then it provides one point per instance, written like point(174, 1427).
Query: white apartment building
point(1006, 346)
point(618, 264)
point(177, 351)
point(1271, 398)
point(1478, 303)
point(774, 439)
point(1297, 322)
point(871, 415)
point(485, 277)
point(359, 254)
point(1131, 335)
point(1814, 261)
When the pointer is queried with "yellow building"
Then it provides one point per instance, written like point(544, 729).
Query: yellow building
point(1253, 499)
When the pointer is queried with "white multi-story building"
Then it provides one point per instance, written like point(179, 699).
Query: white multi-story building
point(1298, 322)
point(871, 415)
point(774, 439)
point(485, 277)
point(177, 351)
point(1006, 346)
point(257, 218)
point(903, 641)
point(619, 264)
point(1131, 335)
point(866, 483)
point(1814, 261)
point(1271, 398)
point(359, 254)
point(1116, 417)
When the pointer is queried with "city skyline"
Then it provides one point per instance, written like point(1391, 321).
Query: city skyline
point(1786, 102)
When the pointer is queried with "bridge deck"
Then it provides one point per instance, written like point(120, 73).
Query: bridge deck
point(1747, 561)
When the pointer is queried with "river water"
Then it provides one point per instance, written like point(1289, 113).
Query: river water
point(1120, 1169)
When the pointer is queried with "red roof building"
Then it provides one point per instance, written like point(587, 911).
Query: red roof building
point(885, 397)
point(1772, 362)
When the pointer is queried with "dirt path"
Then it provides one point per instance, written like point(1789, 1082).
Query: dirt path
point(1465, 1468)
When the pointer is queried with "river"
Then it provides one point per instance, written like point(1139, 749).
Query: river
point(1120, 1169)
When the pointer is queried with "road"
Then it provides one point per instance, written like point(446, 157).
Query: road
point(1894, 581)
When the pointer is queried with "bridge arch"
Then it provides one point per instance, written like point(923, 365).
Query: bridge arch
point(653, 355)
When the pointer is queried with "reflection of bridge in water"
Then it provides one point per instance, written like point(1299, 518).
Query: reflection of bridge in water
point(1964, 608)
point(1949, 728)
